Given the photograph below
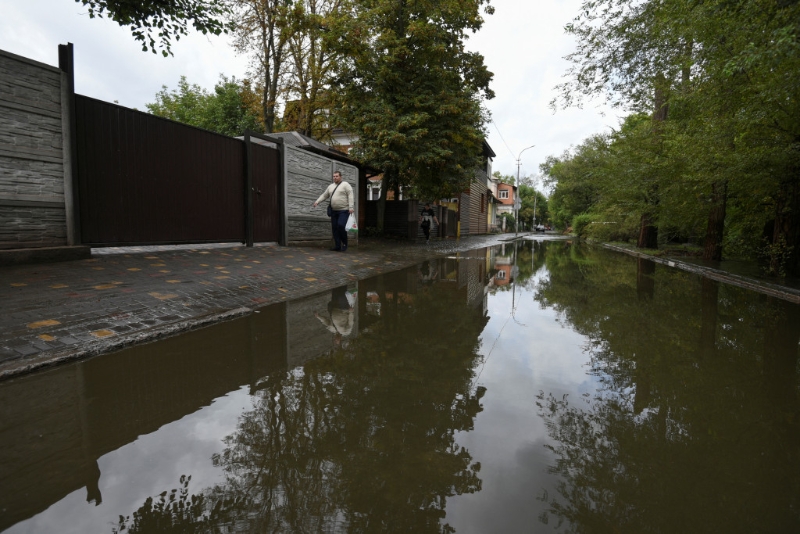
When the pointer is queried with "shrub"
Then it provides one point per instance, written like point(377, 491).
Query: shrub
point(580, 224)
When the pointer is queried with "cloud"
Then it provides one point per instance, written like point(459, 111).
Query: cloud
point(523, 44)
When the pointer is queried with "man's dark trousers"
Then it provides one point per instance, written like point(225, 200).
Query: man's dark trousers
point(338, 222)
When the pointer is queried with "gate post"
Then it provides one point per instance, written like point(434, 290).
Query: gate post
point(248, 191)
point(69, 135)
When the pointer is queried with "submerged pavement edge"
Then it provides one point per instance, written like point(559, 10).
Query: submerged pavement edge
point(57, 313)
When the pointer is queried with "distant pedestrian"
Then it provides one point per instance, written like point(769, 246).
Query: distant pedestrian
point(341, 204)
point(425, 219)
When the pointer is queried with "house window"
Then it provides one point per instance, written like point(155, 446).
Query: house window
point(501, 275)
point(374, 192)
point(503, 193)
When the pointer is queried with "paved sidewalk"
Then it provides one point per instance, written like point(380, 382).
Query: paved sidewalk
point(58, 312)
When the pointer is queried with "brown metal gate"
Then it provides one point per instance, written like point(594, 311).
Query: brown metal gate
point(264, 170)
point(147, 180)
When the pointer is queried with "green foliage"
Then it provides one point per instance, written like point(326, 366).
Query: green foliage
point(510, 221)
point(230, 110)
point(408, 88)
point(503, 178)
point(721, 160)
point(580, 223)
point(577, 174)
point(532, 200)
point(167, 18)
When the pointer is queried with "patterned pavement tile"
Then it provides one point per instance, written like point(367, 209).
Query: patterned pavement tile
point(49, 308)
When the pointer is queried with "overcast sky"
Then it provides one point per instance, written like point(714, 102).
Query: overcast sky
point(523, 44)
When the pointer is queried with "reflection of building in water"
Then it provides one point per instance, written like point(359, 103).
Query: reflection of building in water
point(373, 304)
point(503, 264)
point(466, 273)
point(56, 425)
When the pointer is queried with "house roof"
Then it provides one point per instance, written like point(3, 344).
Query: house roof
point(309, 143)
point(487, 150)
point(298, 140)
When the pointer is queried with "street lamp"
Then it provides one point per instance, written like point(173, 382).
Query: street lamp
point(516, 203)
point(535, 198)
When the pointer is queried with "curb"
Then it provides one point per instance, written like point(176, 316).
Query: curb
point(773, 290)
point(21, 256)
point(96, 348)
point(88, 349)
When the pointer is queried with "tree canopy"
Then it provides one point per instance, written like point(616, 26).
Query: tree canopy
point(167, 19)
point(231, 109)
point(711, 151)
point(408, 88)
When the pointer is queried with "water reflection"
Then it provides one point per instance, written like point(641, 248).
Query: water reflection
point(695, 424)
point(355, 397)
point(535, 386)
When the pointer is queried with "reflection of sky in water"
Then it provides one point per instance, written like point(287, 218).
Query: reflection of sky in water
point(530, 354)
point(151, 464)
point(535, 351)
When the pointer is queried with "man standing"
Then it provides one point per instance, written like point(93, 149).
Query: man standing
point(425, 218)
point(341, 195)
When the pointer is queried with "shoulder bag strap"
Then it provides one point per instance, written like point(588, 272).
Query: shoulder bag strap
point(333, 192)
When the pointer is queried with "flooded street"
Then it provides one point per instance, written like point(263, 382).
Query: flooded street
point(537, 387)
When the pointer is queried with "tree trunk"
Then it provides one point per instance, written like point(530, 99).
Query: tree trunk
point(381, 215)
point(645, 281)
point(784, 256)
point(381, 212)
point(712, 249)
point(648, 232)
point(708, 326)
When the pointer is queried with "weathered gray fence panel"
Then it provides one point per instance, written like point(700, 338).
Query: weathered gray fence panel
point(31, 154)
point(307, 176)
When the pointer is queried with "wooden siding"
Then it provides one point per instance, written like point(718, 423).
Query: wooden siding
point(477, 208)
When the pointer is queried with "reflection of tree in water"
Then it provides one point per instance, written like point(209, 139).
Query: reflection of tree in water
point(178, 511)
point(696, 426)
point(363, 440)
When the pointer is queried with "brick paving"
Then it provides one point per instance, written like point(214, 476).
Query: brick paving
point(57, 312)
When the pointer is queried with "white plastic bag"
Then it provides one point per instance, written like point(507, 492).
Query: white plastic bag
point(352, 295)
point(352, 225)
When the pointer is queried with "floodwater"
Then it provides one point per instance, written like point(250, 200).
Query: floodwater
point(537, 387)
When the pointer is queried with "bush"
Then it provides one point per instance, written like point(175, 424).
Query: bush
point(580, 224)
point(610, 231)
point(509, 222)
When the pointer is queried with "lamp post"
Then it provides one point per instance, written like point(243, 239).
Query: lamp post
point(535, 198)
point(516, 203)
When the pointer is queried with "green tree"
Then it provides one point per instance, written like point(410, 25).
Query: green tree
point(722, 79)
point(262, 29)
point(411, 92)
point(311, 60)
point(532, 200)
point(503, 178)
point(577, 176)
point(167, 18)
point(230, 110)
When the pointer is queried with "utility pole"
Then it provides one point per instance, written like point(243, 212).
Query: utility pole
point(517, 202)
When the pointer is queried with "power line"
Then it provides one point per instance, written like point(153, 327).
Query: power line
point(504, 141)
